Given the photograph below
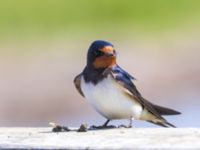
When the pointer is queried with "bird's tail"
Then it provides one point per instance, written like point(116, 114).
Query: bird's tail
point(165, 111)
point(164, 123)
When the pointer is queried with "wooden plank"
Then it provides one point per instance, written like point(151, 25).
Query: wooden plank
point(138, 138)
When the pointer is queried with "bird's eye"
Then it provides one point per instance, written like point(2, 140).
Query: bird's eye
point(98, 53)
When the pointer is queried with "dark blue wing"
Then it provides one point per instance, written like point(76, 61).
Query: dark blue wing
point(119, 70)
point(125, 79)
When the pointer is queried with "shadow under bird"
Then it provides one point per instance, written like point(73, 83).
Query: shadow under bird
point(111, 91)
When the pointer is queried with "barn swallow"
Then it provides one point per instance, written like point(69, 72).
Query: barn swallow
point(111, 91)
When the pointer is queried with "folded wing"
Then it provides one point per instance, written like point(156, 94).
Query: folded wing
point(124, 80)
point(77, 83)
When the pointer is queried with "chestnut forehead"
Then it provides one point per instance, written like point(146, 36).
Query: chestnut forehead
point(107, 49)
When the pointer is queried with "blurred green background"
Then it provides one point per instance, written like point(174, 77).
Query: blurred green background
point(49, 17)
point(43, 45)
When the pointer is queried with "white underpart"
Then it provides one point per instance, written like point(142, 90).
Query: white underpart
point(109, 99)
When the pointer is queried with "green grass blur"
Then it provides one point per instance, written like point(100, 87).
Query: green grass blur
point(24, 18)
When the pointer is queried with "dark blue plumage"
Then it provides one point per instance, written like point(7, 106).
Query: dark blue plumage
point(125, 79)
point(122, 73)
point(123, 76)
point(98, 44)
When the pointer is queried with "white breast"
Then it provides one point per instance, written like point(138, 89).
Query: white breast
point(108, 99)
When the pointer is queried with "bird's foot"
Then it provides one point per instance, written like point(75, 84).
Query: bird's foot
point(93, 127)
point(124, 126)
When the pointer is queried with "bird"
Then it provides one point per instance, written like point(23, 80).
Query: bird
point(112, 92)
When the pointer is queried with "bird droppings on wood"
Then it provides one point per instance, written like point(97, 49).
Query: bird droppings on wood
point(83, 128)
point(59, 128)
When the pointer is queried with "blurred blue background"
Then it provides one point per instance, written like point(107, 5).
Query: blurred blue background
point(43, 46)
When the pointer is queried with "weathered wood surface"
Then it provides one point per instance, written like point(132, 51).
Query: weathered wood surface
point(135, 138)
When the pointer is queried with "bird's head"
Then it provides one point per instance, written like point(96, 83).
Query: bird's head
point(101, 54)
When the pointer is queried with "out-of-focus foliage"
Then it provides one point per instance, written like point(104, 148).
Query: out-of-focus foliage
point(50, 16)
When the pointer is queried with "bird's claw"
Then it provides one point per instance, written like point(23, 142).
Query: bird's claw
point(124, 126)
point(102, 127)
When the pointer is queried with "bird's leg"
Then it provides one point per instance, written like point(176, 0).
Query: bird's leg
point(106, 123)
point(130, 124)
